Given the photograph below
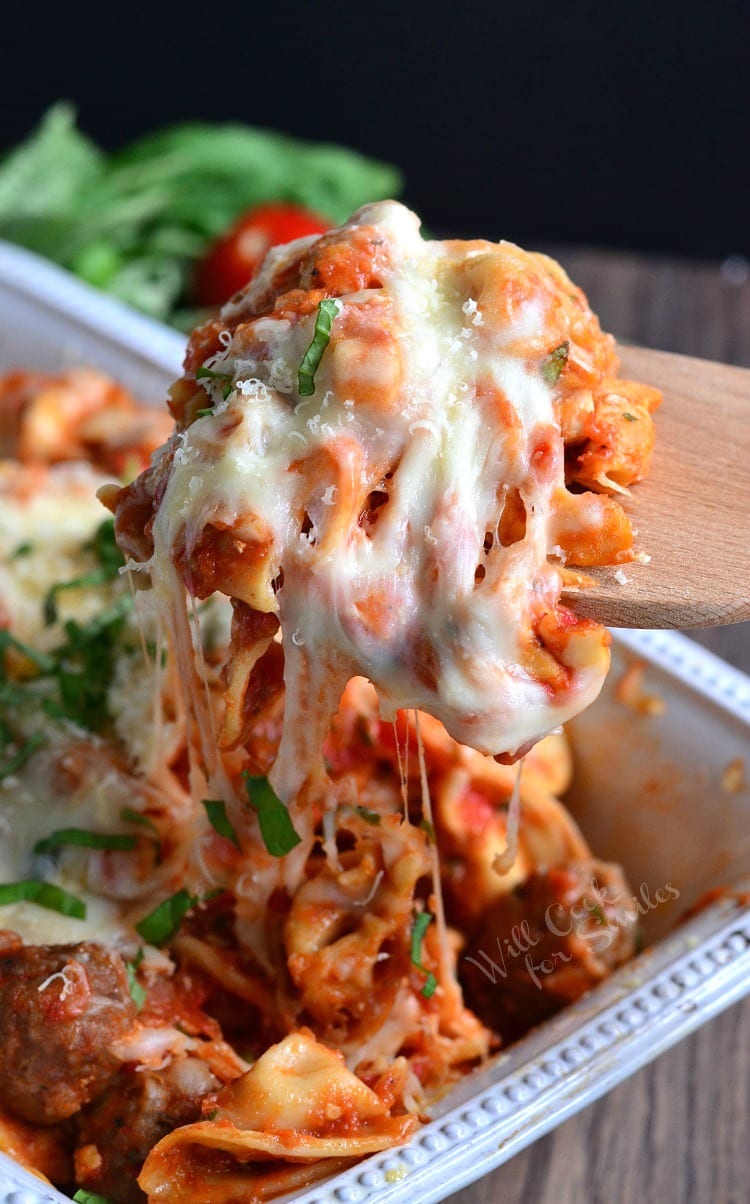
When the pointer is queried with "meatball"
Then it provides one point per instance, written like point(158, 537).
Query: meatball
point(61, 1007)
point(10, 942)
point(546, 943)
point(117, 1132)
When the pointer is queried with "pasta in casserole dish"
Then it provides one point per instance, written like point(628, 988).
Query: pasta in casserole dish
point(281, 752)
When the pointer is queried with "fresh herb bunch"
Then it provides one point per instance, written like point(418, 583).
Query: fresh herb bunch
point(135, 223)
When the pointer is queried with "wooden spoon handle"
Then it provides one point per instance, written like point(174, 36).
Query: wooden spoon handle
point(692, 513)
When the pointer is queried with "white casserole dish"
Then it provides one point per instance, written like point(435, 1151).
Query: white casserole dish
point(648, 792)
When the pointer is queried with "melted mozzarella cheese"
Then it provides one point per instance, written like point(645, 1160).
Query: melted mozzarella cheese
point(48, 513)
point(428, 399)
point(33, 804)
point(76, 778)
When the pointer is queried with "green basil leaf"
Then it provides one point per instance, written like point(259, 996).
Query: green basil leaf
point(276, 827)
point(136, 817)
point(96, 577)
point(422, 921)
point(553, 365)
point(430, 985)
point(370, 817)
point(160, 925)
point(84, 665)
point(89, 1197)
point(84, 839)
point(204, 373)
point(44, 894)
point(327, 311)
point(427, 827)
point(56, 153)
point(105, 547)
point(216, 809)
point(43, 662)
point(137, 992)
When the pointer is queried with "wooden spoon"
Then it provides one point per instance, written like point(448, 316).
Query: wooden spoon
point(692, 513)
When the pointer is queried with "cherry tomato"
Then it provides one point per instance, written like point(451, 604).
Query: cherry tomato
point(237, 255)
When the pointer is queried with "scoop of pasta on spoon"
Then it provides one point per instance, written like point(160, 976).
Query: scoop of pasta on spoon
point(393, 454)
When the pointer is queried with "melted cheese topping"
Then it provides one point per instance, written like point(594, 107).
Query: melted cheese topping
point(48, 513)
point(366, 516)
point(77, 778)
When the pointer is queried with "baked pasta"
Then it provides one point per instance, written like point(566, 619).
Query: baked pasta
point(266, 833)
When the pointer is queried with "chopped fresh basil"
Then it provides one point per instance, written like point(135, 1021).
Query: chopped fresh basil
point(95, 577)
point(41, 660)
point(79, 671)
point(89, 1197)
point(23, 549)
point(205, 373)
point(19, 759)
point(44, 894)
point(276, 827)
point(427, 827)
point(85, 664)
point(553, 364)
point(629, 417)
point(160, 925)
point(422, 921)
point(104, 546)
point(370, 817)
point(136, 817)
point(216, 810)
point(327, 311)
point(137, 992)
point(84, 839)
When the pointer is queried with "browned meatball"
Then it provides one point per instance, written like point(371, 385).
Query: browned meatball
point(61, 1007)
point(548, 942)
point(10, 942)
point(117, 1132)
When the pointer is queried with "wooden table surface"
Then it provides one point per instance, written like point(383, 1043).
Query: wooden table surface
point(678, 1131)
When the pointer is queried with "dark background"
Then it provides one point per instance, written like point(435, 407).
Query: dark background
point(618, 125)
